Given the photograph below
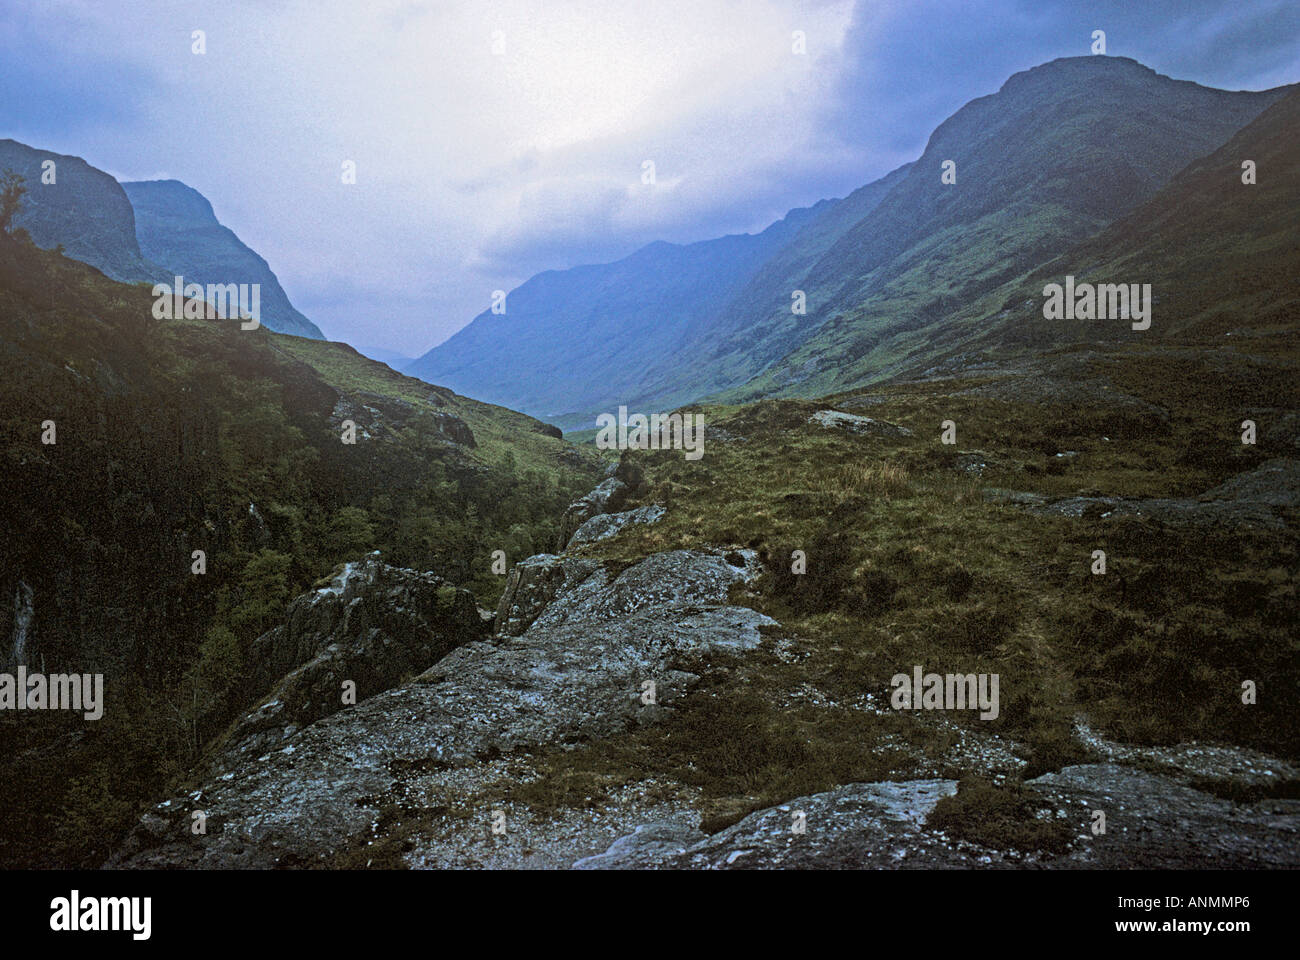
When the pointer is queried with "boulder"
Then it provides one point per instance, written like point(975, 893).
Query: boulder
point(608, 497)
point(607, 525)
point(857, 424)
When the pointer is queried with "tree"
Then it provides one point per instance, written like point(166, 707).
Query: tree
point(264, 589)
point(351, 532)
point(11, 193)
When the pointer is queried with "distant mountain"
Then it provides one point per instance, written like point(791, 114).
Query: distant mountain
point(84, 209)
point(575, 341)
point(140, 232)
point(1058, 153)
point(391, 357)
point(178, 230)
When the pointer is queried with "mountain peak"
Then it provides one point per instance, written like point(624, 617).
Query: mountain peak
point(171, 198)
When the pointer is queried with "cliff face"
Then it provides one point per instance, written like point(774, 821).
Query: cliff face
point(140, 232)
point(178, 230)
point(84, 209)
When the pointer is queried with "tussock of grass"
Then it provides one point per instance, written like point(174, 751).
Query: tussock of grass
point(1002, 817)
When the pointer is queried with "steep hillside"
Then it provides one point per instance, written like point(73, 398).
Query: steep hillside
point(580, 340)
point(176, 436)
point(178, 231)
point(758, 326)
point(84, 209)
point(1221, 257)
point(1059, 152)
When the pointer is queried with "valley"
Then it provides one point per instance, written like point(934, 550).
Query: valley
point(956, 524)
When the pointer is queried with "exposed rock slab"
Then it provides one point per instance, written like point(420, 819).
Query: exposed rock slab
point(608, 525)
point(857, 424)
point(1152, 821)
point(574, 674)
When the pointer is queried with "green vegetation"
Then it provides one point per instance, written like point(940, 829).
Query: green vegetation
point(184, 435)
point(908, 563)
point(1003, 817)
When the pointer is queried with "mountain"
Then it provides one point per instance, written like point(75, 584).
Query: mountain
point(574, 341)
point(178, 230)
point(1220, 256)
point(1056, 154)
point(141, 232)
point(84, 209)
point(1059, 152)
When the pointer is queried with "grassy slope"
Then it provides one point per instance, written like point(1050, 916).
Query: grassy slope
point(497, 430)
point(1058, 153)
point(908, 564)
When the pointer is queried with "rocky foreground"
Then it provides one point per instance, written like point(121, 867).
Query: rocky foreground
point(310, 779)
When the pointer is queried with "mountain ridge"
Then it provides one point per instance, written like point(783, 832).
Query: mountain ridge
point(1090, 138)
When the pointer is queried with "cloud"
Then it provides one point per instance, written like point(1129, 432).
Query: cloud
point(496, 139)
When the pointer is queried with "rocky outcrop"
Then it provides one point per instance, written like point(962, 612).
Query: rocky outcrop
point(377, 417)
point(575, 673)
point(532, 584)
point(372, 625)
point(606, 525)
point(623, 480)
point(608, 497)
point(1151, 821)
point(857, 424)
point(1256, 498)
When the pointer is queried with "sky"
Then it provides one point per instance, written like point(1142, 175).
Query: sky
point(495, 139)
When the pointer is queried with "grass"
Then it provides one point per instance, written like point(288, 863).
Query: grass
point(908, 564)
point(999, 816)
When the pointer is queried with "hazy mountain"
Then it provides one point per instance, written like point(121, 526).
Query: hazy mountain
point(178, 230)
point(145, 231)
point(1047, 161)
point(579, 340)
point(84, 209)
